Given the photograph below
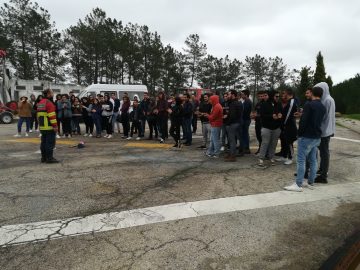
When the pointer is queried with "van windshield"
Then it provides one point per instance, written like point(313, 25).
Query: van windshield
point(82, 93)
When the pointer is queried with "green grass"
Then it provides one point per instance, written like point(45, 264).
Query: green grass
point(352, 116)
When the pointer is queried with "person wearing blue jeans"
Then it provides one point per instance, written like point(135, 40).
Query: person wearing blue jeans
point(233, 124)
point(216, 121)
point(20, 123)
point(307, 149)
point(309, 139)
point(214, 147)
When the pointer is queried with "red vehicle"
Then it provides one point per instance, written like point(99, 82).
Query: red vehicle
point(6, 114)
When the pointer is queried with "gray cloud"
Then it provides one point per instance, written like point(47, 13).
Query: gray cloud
point(294, 30)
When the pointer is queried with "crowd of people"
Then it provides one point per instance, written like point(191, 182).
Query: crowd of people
point(225, 121)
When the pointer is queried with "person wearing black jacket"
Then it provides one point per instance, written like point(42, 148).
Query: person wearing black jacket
point(136, 116)
point(145, 108)
point(270, 114)
point(245, 137)
point(288, 127)
point(260, 98)
point(107, 112)
point(309, 137)
point(224, 135)
point(233, 124)
point(205, 108)
point(187, 120)
point(161, 112)
point(116, 103)
point(176, 112)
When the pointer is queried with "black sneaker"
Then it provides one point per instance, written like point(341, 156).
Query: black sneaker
point(53, 160)
point(187, 144)
point(202, 147)
point(43, 160)
point(321, 180)
point(175, 145)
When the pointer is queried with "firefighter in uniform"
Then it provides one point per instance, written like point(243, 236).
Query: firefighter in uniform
point(46, 114)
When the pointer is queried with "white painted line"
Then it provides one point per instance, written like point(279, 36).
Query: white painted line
point(48, 230)
point(346, 139)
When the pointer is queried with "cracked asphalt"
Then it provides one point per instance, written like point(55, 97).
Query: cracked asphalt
point(108, 176)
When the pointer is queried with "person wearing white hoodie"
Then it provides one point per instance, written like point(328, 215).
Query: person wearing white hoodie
point(327, 131)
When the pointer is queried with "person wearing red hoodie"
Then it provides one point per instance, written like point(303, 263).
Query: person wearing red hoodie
point(216, 121)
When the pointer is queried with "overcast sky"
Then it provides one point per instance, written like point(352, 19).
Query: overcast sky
point(294, 30)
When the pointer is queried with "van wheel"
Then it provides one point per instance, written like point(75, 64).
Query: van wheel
point(6, 117)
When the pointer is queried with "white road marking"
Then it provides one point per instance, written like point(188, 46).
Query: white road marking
point(345, 139)
point(54, 229)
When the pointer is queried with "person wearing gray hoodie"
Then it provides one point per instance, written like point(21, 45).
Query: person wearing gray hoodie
point(327, 131)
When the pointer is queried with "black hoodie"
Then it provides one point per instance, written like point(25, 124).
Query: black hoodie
point(267, 109)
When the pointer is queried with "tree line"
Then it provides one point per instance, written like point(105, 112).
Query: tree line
point(99, 49)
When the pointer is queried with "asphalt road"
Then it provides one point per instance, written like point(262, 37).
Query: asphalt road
point(109, 179)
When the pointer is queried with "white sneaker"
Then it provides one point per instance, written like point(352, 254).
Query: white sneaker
point(105, 136)
point(58, 136)
point(162, 140)
point(306, 185)
point(288, 162)
point(109, 137)
point(281, 159)
point(294, 187)
point(138, 138)
point(129, 138)
point(90, 135)
point(64, 136)
point(30, 131)
point(222, 148)
point(36, 130)
point(261, 163)
point(26, 134)
point(85, 135)
point(17, 135)
point(272, 161)
point(40, 135)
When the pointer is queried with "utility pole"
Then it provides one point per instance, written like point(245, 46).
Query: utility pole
point(2, 92)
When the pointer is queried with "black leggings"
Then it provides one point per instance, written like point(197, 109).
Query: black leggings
point(66, 125)
point(175, 130)
point(89, 124)
point(107, 120)
point(163, 126)
point(125, 124)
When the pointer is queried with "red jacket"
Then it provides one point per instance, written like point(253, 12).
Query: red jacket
point(216, 115)
point(46, 114)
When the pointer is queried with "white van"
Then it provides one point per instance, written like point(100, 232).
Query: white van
point(118, 89)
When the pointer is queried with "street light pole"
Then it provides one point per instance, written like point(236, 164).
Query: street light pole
point(2, 92)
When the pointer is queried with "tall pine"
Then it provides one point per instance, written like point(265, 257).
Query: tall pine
point(320, 74)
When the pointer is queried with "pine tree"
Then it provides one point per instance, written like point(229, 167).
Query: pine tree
point(195, 52)
point(329, 82)
point(305, 82)
point(256, 69)
point(277, 72)
point(320, 74)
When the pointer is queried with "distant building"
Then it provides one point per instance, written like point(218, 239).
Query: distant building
point(15, 88)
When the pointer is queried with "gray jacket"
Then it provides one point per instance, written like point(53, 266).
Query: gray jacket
point(64, 109)
point(328, 123)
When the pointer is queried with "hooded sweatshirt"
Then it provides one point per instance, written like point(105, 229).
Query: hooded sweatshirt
point(216, 115)
point(328, 123)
